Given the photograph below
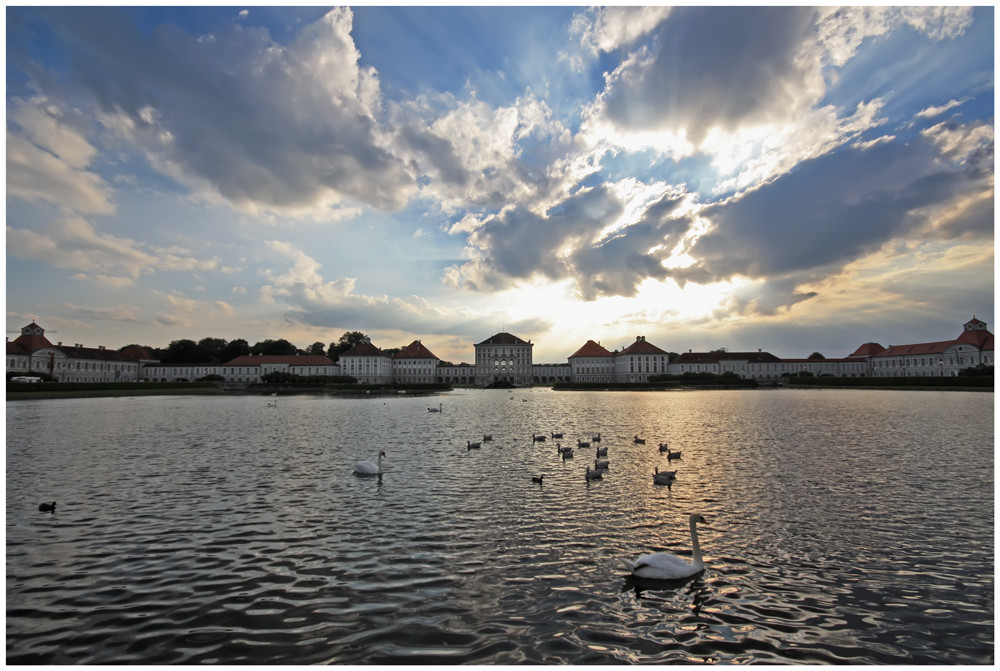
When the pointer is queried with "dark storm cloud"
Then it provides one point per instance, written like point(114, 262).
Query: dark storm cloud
point(281, 126)
point(829, 212)
point(714, 67)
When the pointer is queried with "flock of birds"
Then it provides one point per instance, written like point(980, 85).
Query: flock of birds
point(650, 566)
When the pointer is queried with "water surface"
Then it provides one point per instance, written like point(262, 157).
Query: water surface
point(844, 527)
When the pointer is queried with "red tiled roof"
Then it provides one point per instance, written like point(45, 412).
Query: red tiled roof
point(640, 346)
point(591, 348)
point(290, 359)
point(415, 350)
point(868, 349)
point(503, 339)
point(137, 353)
point(977, 338)
point(917, 348)
point(364, 349)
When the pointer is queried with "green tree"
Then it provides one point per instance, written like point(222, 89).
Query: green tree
point(317, 348)
point(235, 348)
point(183, 351)
point(816, 355)
point(213, 349)
point(347, 341)
point(270, 347)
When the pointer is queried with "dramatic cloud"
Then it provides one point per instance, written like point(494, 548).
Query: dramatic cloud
point(284, 127)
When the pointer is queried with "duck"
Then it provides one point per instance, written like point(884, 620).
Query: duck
point(664, 447)
point(594, 475)
point(557, 435)
point(440, 408)
point(368, 468)
point(469, 445)
point(560, 449)
point(47, 507)
point(537, 478)
point(602, 451)
point(487, 437)
point(597, 438)
point(601, 465)
point(567, 452)
point(639, 441)
point(537, 439)
point(581, 443)
point(664, 478)
point(666, 566)
point(673, 455)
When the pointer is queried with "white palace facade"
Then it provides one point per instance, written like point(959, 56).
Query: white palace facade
point(502, 359)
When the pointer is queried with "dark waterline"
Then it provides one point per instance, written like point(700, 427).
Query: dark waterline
point(844, 527)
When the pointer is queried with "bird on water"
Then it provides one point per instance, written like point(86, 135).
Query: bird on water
point(665, 566)
point(47, 507)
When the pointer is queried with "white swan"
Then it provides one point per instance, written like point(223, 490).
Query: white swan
point(437, 409)
point(368, 468)
point(664, 478)
point(665, 566)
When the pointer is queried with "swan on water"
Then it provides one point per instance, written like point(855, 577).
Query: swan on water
point(580, 443)
point(665, 566)
point(537, 439)
point(537, 478)
point(469, 445)
point(673, 455)
point(368, 468)
point(557, 435)
point(566, 452)
point(601, 465)
point(602, 451)
point(664, 478)
point(594, 475)
point(47, 507)
point(597, 438)
point(561, 449)
point(437, 409)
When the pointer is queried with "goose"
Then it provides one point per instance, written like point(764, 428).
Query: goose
point(597, 438)
point(602, 451)
point(673, 455)
point(368, 468)
point(664, 478)
point(488, 437)
point(537, 478)
point(567, 452)
point(665, 566)
point(469, 445)
point(557, 435)
point(537, 439)
point(664, 447)
point(580, 443)
point(601, 465)
point(47, 507)
point(437, 409)
point(594, 475)
point(639, 441)
point(560, 449)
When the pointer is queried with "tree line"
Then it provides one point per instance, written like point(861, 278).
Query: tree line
point(219, 350)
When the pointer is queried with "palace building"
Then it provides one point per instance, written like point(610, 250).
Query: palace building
point(501, 359)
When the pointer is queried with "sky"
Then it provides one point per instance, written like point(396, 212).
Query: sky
point(781, 178)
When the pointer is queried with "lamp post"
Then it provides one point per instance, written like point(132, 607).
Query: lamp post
point(941, 363)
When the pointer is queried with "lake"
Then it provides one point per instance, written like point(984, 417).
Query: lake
point(844, 526)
